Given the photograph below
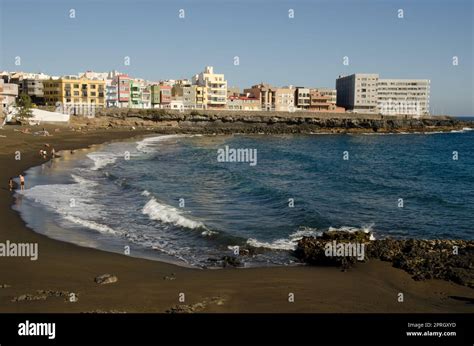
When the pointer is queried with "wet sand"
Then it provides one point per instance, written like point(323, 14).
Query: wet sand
point(63, 268)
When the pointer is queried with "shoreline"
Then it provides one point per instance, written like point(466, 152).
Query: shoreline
point(65, 267)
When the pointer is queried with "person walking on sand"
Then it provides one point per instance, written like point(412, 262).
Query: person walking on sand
point(22, 182)
point(10, 184)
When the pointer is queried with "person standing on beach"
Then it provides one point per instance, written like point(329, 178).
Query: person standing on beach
point(53, 153)
point(10, 184)
point(22, 182)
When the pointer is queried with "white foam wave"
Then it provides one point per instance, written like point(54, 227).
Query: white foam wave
point(146, 145)
point(364, 228)
point(292, 241)
point(463, 130)
point(101, 159)
point(81, 180)
point(208, 233)
point(286, 244)
point(91, 225)
point(279, 244)
point(168, 214)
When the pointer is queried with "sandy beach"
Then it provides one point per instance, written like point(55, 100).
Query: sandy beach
point(144, 285)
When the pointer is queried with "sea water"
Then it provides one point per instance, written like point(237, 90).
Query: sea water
point(168, 197)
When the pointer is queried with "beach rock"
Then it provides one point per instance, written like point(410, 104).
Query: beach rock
point(197, 307)
point(106, 279)
point(230, 261)
point(44, 294)
point(450, 260)
point(312, 250)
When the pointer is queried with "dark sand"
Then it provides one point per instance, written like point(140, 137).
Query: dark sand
point(370, 287)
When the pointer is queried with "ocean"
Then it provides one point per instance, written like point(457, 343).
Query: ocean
point(170, 198)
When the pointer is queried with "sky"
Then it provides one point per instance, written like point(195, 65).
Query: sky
point(307, 50)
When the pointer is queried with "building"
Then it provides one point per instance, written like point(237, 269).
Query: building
point(140, 94)
point(186, 93)
point(330, 93)
point(285, 99)
point(111, 93)
point(233, 91)
point(177, 104)
point(358, 92)
point(33, 88)
point(74, 91)
point(8, 95)
point(122, 83)
point(215, 88)
point(323, 100)
point(302, 98)
point(155, 96)
point(265, 93)
point(403, 96)
point(367, 93)
point(165, 96)
point(243, 103)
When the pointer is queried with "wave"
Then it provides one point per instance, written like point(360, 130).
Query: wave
point(101, 159)
point(279, 244)
point(463, 130)
point(291, 242)
point(364, 228)
point(146, 145)
point(91, 225)
point(168, 214)
point(83, 181)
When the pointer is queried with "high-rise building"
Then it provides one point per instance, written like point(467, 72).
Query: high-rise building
point(215, 88)
point(358, 92)
point(367, 93)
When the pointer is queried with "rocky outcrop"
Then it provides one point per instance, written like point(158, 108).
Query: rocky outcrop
point(451, 260)
point(225, 121)
point(313, 250)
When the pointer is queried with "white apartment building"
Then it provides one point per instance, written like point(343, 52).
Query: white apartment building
point(367, 93)
point(215, 87)
point(403, 96)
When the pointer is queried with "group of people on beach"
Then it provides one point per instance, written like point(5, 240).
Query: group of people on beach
point(22, 183)
point(44, 154)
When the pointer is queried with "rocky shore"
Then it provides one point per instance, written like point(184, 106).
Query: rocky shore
point(450, 260)
point(227, 122)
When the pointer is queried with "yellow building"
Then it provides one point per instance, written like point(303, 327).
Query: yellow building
point(214, 87)
point(71, 91)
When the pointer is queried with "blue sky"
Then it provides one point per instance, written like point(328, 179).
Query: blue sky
point(306, 50)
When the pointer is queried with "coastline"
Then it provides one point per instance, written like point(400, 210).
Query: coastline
point(64, 267)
